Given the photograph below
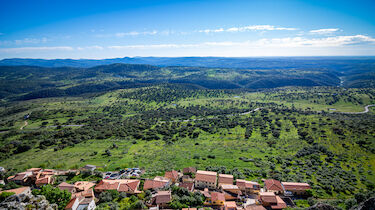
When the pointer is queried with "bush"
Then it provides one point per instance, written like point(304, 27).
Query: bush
point(4, 195)
point(105, 197)
point(54, 195)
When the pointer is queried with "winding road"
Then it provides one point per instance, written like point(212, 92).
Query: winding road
point(364, 112)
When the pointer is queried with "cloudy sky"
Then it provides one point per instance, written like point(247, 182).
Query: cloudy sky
point(234, 28)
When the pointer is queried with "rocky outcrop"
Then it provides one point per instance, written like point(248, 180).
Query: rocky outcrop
point(368, 204)
point(27, 201)
point(321, 206)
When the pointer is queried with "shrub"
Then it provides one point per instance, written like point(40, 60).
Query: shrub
point(4, 195)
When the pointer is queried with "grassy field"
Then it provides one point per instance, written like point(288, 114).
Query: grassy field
point(273, 150)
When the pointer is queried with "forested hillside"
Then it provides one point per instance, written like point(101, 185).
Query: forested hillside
point(30, 82)
point(291, 124)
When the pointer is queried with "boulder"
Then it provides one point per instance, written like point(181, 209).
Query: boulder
point(321, 206)
point(27, 201)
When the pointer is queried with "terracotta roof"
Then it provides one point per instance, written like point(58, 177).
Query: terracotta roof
point(295, 186)
point(163, 197)
point(44, 180)
point(103, 185)
point(128, 187)
point(154, 184)
point(206, 176)
point(121, 185)
point(34, 169)
point(66, 186)
point(71, 203)
point(280, 204)
point(21, 176)
point(189, 170)
point(162, 178)
point(17, 191)
point(255, 207)
point(206, 193)
point(225, 179)
point(268, 197)
point(272, 184)
point(88, 193)
point(86, 201)
point(188, 186)
point(229, 187)
point(216, 196)
point(83, 185)
point(246, 184)
point(171, 175)
point(230, 204)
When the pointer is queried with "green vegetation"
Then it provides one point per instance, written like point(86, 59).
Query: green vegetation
point(54, 195)
point(4, 195)
point(286, 133)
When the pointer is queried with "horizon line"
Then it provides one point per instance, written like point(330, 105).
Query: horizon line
point(263, 56)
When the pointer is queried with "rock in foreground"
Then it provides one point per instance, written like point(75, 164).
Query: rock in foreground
point(26, 201)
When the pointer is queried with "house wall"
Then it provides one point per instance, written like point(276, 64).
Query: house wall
point(218, 203)
point(75, 205)
point(200, 184)
point(90, 206)
point(275, 191)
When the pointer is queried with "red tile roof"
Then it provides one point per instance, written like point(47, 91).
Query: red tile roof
point(188, 186)
point(255, 207)
point(206, 176)
point(21, 176)
point(272, 184)
point(225, 179)
point(44, 180)
point(268, 197)
point(173, 175)
point(71, 203)
point(102, 185)
point(129, 187)
point(83, 185)
point(189, 170)
point(66, 186)
point(121, 185)
point(206, 193)
point(216, 196)
point(34, 169)
point(154, 184)
point(295, 186)
point(243, 184)
point(280, 204)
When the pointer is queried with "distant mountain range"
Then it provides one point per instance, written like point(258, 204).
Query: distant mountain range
point(222, 62)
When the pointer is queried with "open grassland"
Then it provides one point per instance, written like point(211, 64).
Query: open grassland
point(294, 136)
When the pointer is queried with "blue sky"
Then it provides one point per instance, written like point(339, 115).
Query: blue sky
point(232, 28)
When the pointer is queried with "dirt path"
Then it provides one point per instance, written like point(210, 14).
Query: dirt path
point(364, 112)
point(26, 123)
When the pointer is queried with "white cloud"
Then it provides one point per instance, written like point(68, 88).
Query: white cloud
point(30, 49)
point(334, 41)
point(24, 41)
point(131, 33)
point(324, 31)
point(248, 28)
point(30, 41)
point(95, 47)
